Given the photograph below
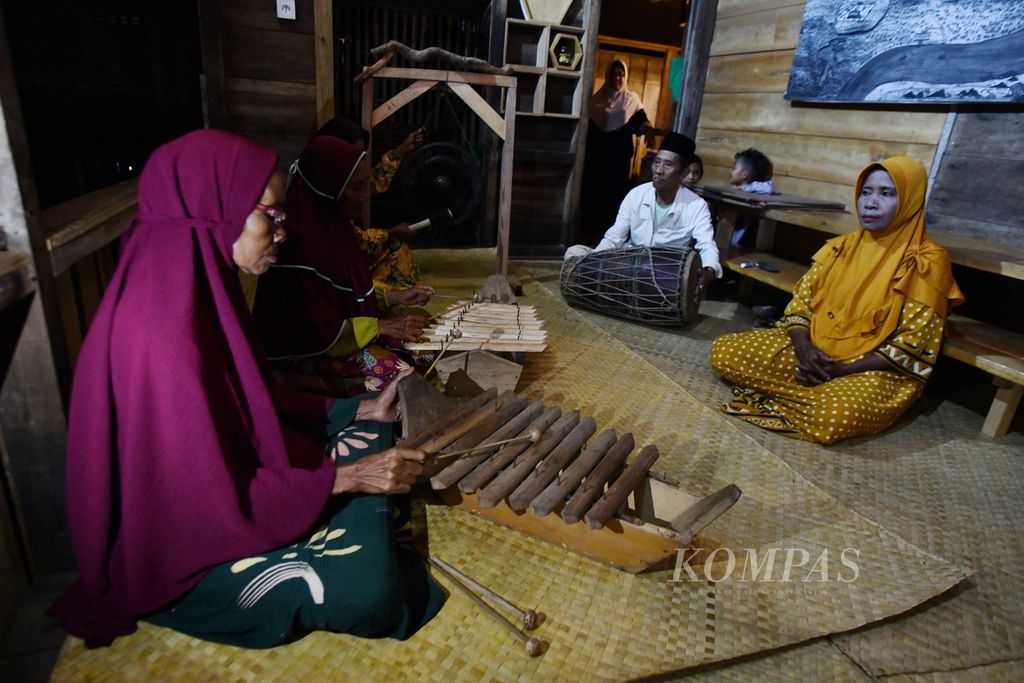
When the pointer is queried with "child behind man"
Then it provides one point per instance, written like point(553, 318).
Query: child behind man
point(752, 172)
point(693, 173)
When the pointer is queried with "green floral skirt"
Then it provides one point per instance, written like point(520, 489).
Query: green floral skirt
point(357, 573)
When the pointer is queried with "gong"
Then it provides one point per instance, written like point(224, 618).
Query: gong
point(436, 179)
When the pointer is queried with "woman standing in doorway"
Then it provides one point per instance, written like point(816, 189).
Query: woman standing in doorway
point(616, 116)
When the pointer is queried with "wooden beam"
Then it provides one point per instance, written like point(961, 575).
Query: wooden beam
point(767, 112)
point(496, 51)
point(411, 92)
point(570, 211)
point(367, 122)
point(758, 72)
point(505, 196)
point(211, 32)
point(447, 76)
point(479, 105)
point(323, 24)
point(699, 32)
point(79, 227)
point(668, 50)
point(31, 401)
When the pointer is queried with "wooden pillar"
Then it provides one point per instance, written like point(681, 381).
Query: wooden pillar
point(496, 56)
point(505, 196)
point(699, 31)
point(211, 39)
point(572, 212)
point(31, 406)
point(323, 22)
point(367, 122)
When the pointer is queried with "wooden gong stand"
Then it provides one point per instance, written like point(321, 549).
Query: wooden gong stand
point(460, 83)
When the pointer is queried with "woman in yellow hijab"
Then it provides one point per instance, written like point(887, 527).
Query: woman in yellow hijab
point(859, 339)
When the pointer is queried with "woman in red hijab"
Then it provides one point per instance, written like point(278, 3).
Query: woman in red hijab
point(188, 475)
point(317, 310)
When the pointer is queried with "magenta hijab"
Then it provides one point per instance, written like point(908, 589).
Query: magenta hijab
point(177, 457)
point(321, 278)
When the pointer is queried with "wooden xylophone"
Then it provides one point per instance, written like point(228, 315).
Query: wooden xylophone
point(565, 486)
point(469, 325)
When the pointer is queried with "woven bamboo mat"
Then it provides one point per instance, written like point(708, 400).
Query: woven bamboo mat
point(602, 624)
point(932, 479)
point(1000, 672)
point(818, 660)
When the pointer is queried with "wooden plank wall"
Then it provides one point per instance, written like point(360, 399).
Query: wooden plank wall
point(975, 193)
point(261, 72)
point(817, 151)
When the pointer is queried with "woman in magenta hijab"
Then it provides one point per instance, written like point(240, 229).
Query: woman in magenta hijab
point(188, 475)
point(317, 311)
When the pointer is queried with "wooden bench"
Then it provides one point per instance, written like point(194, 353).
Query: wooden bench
point(998, 352)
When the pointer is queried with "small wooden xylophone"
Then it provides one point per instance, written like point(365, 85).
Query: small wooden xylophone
point(538, 470)
point(470, 325)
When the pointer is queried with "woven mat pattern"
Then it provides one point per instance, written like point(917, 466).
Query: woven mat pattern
point(1000, 672)
point(602, 624)
point(933, 479)
point(818, 660)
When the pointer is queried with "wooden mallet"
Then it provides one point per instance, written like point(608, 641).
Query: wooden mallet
point(534, 646)
point(532, 437)
point(455, 334)
point(531, 618)
point(419, 225)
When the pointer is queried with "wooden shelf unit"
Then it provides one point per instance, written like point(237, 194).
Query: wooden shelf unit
point(551, 125)
point(526, 51)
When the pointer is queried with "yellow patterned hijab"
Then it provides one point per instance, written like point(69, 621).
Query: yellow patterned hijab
point(866, 276)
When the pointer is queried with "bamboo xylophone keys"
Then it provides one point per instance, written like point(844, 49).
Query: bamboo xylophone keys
point(532, 437)
point(489, 468)
point(483, 430)
point(509, 479)
point(570, 479)
point(436, 427)
point(548, 468)
point(593, 485)
point(517, 426)
point(616, 495)
point(467, 423)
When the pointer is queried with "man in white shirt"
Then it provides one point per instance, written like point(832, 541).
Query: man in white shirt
point(662, 213)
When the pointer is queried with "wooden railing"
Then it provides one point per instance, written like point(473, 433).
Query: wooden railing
point(80, 238)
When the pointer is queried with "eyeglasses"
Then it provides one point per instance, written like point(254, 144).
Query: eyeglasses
point(277, 216)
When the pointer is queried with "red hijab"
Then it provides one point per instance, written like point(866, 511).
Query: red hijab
point(321, 278)
point(177, 458)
